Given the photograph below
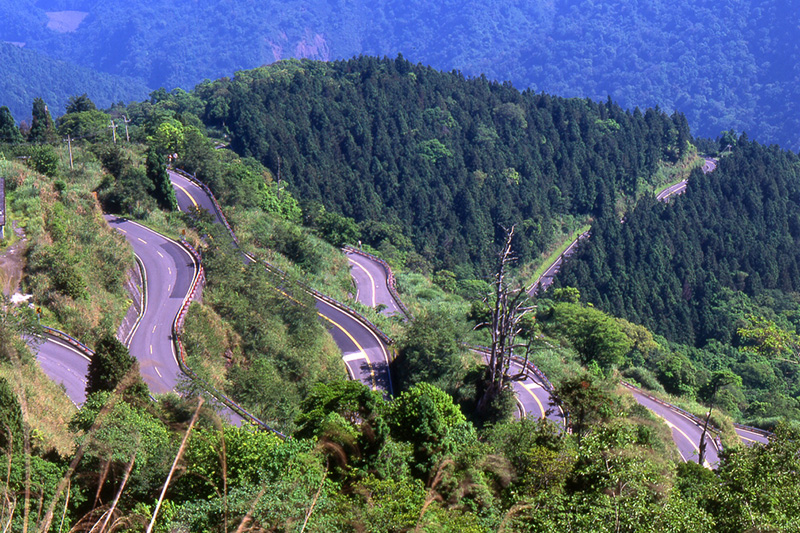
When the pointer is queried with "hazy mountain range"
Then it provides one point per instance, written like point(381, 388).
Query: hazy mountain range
point(725, 64)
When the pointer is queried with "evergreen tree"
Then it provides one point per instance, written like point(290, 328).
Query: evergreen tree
point(43, 129)
point(78, 104)
point(109, 365)
point(9, 132)
point(163, 192)
point(10, 419)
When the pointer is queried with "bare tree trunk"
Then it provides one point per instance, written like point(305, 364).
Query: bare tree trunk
point(505, 325)
point(702, 447)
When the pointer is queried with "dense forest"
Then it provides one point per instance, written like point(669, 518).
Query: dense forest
point(449, 161)
point(717, 269)
point(728, 64)
point(27, 75)
point(356, 462)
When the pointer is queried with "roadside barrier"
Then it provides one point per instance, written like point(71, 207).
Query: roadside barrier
point(390, 280)
point(283, 275)
point(177, 328)
point(69, 339)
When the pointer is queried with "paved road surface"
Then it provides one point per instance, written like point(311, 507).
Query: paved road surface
point(63, 364)
point(371, 286)
point(365, 355)
point(685, 432)
point(169, 270)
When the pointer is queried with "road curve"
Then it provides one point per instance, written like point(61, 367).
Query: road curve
point(685, 431)
point(63, 364)
point(365, 354)
point(372, 288)
point(169, 270)
point(533, 400)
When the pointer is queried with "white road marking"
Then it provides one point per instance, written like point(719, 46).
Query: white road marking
point(355, 356)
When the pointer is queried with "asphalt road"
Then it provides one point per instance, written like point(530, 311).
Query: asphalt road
point(63, 364)
point(364, 353)
point(685, 432)
point(371, 286)
point(169, 270)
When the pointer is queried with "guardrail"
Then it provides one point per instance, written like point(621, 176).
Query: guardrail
point(762, 432)
point(390, 279)
point(72, 341)
point(284, 276)
point(177, 327)
point(686, 414)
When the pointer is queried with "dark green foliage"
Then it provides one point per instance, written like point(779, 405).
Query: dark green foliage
point(109, 366)
point(89, 124)
point(717, 269)
point(430, 353)
point(29, 74)
point(10, 420)
point(80, 104)
point(283, 343)
point(346, 414)
point(44, 160)
point(737, 70)
point(588, 400)
point(162, 187)
point(9, 132)
point(380, 139)
point(426, 417)
point(43, 130)
point(596, 336)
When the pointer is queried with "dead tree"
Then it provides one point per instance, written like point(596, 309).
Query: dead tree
point(510, 305)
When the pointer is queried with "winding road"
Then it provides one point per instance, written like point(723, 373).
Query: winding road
point(170, 271)
point(363, 351)
point(63, 364)
point(372, 288)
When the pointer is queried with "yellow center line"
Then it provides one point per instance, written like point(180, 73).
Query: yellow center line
point(371, 279)
point(160, 254)
point(360, 348)
point(530, 390)
point(142, 240)
point(188, 195)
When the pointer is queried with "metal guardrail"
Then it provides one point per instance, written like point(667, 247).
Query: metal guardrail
point(284, 276)
point(177, 327)
point(72, 341)
point(390, 279)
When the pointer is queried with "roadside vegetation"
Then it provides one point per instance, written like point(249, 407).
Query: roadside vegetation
point(446, 453)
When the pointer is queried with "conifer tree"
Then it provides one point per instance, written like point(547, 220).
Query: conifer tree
point(43, 129)
point(157, 172)
point(9, 132)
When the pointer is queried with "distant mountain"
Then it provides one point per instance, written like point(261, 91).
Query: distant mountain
point(724, 63)
point(25, 75)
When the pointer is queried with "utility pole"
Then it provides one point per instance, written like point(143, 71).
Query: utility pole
point(69, 144)
point(114, 130)
point(125, 119)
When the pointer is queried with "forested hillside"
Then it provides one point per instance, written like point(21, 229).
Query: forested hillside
point(445, 160)
point(718, 269)
point(725, 64)
point(26, 75)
